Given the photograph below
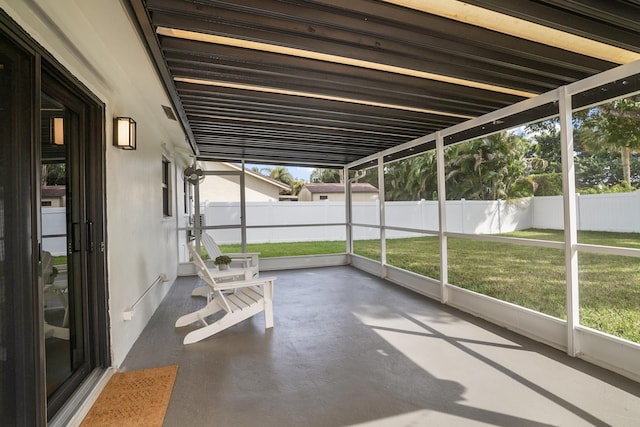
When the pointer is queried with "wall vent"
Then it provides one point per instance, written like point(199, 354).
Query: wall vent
point(169, 112)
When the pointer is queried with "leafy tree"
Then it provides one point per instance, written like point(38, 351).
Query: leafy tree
point(546, 184)
point(612, 127)
point(282, 174)
point(595, 166)
point(623, 187)
point(414, 178)
point(54, 174)
point(489, 168)
point(395, 181)
point(546, 147)
point(371, 177)
point(297, 186)
point(326, 176)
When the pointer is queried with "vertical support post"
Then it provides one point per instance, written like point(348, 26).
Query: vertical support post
point(383, 232)
point(196, 218)
point(442, 218)
point(347, 212)
point(243, 212)
point(570, 220)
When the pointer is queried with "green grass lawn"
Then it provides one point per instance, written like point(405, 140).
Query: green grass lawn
point(269, 250)
point(529, 276)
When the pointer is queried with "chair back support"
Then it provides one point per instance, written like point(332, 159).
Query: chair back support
point(249, 261)
point(47, 268)
point(210, 245)
point(203, 273)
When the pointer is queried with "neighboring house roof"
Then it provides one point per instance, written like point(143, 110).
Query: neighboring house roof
point(339, 188)
point(53, 191)
point(281, 185)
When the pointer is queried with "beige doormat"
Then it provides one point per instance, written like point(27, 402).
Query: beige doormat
point(135, 398)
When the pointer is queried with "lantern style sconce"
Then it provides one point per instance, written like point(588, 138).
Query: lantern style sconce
point(124, 133)
point(57, 130)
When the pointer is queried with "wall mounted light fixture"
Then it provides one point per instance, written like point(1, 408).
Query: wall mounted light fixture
point(57, 130)
point(124, 133)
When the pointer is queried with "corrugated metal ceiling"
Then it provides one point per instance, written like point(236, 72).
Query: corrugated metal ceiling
point(328, 82)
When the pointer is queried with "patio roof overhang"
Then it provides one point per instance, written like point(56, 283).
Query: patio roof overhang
point(329, 82)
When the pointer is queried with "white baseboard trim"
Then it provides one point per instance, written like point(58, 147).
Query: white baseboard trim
point(89, 399)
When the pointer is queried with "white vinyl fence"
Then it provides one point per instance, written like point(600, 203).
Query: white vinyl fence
point(598, 212)
point(54, 223)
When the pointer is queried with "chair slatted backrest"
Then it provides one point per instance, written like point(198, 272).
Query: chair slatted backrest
point(210, 245)
point(47, 268)
point(246, 260)
point(204, 274)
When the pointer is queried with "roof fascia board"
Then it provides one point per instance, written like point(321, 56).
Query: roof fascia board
point(140, 19)
point(259, 176)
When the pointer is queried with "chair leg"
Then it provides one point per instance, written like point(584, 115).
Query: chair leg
point(56, 332)
point(225, 322)
point(64, 300)
point(201, 291)
point(268, 305)
point(211, 308)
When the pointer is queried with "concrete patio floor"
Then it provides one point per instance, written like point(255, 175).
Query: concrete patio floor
point(350, 349)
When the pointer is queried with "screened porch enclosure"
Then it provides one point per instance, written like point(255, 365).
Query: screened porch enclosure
point(501, 143)
point(561, 269)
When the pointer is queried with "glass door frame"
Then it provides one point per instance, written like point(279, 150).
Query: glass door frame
point(25, 344)
point(91, 239)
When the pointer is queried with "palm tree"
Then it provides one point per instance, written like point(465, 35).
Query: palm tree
point(488, 168)
point(282, 174)
point(297, 186)
point(414, 178)
point(612, 126)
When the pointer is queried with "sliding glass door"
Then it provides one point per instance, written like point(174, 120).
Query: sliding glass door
point(53, 299)
point(66, 239)
point(19, 360)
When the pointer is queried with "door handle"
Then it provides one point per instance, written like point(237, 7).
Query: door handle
point(90, 236)
point(75, 237)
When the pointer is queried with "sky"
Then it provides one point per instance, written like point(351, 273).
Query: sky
point(300, 173)
point(296, 172)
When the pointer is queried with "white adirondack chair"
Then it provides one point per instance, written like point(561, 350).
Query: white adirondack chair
point(249, 298)
point(244, 264)
point(245, 260)
point(59, 290)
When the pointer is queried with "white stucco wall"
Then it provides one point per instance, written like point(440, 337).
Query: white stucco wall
point(227, 188)
point(96, 42)
point(306, 196)
point(331, 197)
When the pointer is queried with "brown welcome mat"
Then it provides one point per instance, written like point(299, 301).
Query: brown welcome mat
point(135, 398)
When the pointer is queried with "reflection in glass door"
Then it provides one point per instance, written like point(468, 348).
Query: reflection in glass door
point(63, 236)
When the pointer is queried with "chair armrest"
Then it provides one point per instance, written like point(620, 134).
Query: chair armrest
point(248, 259)
point(245, 283)
point(242, 254)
